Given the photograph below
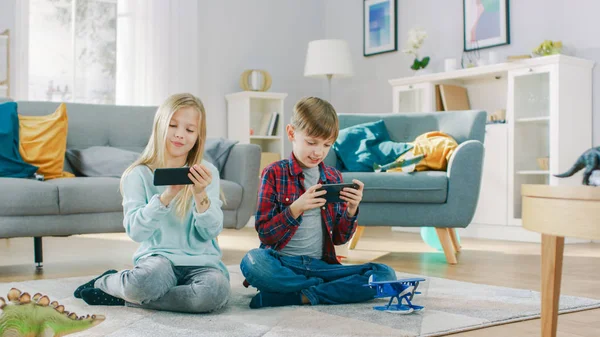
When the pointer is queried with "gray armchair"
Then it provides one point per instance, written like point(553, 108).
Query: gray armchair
point(442, 199)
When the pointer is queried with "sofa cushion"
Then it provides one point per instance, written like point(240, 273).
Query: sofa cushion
point(75, 194)
point(125, 127)
point(28, 197)
point(43, 142)
point(101, 161)
point(88, 195)
point(361, 146)
point(233, 194)
point(417, 187)
point(11, 162)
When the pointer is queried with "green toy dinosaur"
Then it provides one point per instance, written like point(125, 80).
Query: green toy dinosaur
point(590, 159)
point(24, 316)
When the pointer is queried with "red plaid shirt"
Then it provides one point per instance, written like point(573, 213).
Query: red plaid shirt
point(281, 184)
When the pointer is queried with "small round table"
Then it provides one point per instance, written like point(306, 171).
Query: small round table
point(556, 212)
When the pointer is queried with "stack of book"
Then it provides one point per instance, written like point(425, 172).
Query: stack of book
point(268, 124)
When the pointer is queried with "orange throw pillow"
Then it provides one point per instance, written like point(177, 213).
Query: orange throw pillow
point(43, 142)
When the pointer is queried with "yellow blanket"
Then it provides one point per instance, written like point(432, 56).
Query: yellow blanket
point(436, 146)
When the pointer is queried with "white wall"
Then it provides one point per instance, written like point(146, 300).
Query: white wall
point(531, 22)
point(258, 34)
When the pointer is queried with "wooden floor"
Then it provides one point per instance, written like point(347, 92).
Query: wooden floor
point(498, 263)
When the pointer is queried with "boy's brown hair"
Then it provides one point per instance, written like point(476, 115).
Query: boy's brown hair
point(316, 118)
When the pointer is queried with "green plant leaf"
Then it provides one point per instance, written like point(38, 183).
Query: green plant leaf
point(416, 65)
point(425, 62)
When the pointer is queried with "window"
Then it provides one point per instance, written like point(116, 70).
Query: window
point(72, 50)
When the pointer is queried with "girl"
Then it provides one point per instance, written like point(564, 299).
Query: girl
point(178, 265)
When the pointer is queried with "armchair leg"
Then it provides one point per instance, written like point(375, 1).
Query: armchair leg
point(454, 239)
point(446, 241)
point(356, 237)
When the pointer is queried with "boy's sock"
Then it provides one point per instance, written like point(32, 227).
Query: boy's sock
point(267, 299)
point(90, 284)
point(95, 296)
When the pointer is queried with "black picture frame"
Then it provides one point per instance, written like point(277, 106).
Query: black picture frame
point(384, 10)
point(491, 21)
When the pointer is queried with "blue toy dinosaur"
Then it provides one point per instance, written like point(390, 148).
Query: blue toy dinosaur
point(590, 160)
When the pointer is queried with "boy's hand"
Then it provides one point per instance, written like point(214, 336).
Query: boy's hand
point(352, 196)
point(201, 176)
point(309, 200)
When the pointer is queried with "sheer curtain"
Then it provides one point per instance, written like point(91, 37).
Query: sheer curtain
point(157, 50)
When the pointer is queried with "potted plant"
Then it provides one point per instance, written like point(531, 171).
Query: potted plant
point(548, 47)
point(416, 37)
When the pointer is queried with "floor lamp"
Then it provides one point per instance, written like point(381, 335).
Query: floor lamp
point(328, 59)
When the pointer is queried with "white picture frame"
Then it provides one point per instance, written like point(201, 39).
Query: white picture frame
point(486, 24)
point(380, 27)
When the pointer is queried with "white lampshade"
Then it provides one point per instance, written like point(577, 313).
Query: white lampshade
point(328, 57)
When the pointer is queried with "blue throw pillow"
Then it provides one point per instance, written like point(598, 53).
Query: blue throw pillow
point(11, 162)
point(360, 146)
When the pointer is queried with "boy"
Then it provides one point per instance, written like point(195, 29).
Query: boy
point(296, 261)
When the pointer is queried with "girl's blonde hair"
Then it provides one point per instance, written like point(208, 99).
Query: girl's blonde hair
point(154, 155)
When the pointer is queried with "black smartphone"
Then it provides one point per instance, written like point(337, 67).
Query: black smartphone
point(172, 176)
point(333, 191)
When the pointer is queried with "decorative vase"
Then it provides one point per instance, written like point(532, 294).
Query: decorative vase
point(255, 80)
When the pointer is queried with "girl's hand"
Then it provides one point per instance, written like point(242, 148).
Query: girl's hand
point(353, 196)
point(169, 194)
point(172, 190)
point(201, 176)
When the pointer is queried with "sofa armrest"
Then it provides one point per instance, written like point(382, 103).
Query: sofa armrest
point(464, 178)
point(242, 167)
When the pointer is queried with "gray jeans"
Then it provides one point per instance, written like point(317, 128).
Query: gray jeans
point(154, 283)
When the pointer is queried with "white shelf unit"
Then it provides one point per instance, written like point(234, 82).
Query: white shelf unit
point(248, 110)
point(548, 102)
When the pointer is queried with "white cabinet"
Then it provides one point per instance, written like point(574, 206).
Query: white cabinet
point(548, 102)
point(549, 115)
point(418, 97)
point(492, 207)
point(249, 114)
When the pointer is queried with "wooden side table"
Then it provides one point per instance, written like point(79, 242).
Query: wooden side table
point(556, 212)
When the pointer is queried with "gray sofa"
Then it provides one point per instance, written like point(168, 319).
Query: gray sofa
point(85, 205)
point(441, 199)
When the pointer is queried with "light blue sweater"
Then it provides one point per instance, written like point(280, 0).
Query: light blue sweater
point(187, 242)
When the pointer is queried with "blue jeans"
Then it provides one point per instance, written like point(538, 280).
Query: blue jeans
point(320, 282)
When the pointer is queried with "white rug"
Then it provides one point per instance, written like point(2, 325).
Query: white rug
point(450, 306)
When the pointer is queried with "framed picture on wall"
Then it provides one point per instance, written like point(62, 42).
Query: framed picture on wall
point(486, 24)
point(379, 27)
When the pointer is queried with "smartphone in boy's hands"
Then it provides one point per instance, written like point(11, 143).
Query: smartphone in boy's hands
point(172, 176)
point(333, 191)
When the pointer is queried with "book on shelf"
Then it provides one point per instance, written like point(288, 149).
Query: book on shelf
point(272, 130)
point(264, 125)
point(453, 97)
